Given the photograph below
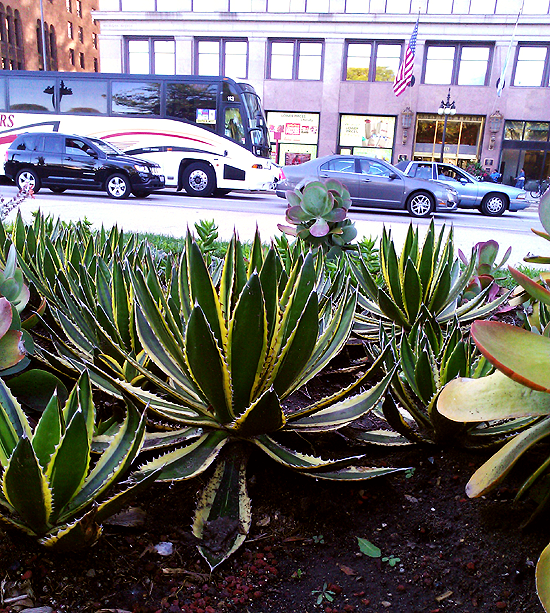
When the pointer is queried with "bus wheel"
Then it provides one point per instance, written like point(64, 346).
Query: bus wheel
point(28, 178)
point(199, 179)
point(118, 187)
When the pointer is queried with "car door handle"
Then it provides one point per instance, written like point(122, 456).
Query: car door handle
point(325, 176)
point(365, 180)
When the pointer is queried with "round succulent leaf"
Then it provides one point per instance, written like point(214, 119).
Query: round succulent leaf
point(543, 578)
point(544, 211)
point(534, 289)
point(335, 216)
point(315, 200)
point(490, 398)
point(319, 228)
point(12, 349)
point(5, 315)
point(290, 230)
point(349, 233)
point(35, 388)
point(296, 214)
point(521, 355)
point(294, 198)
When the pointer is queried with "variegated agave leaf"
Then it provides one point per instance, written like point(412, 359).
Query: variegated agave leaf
point(232, 353)
point(47, 487)
point(426, 276)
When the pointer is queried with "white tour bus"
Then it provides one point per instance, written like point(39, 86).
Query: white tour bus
point(208, 134)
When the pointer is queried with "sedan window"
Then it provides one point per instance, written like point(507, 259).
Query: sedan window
point(368, 167)
point(449, 173)
point(339, 165)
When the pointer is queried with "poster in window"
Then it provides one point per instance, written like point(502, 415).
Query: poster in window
point(302, 128)
point(374, 131)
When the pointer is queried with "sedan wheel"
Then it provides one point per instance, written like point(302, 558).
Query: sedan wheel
point(420, 205)
point(493, 205)
point(27, 178)
point(118, 187)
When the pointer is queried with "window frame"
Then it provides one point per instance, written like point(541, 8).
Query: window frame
point(545, 80)
point(295, 57)
point(458, 47)
point(151, 51)
point(373, 57)
point(222, 40)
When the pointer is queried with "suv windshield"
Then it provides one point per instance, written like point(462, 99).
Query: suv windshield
point(106, 147)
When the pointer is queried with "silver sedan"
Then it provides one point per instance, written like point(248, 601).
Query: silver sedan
point(372, 183)
point(490, 198)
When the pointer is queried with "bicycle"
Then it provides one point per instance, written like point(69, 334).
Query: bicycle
point(542, 186)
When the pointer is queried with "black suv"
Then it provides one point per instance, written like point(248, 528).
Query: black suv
point(63, 161)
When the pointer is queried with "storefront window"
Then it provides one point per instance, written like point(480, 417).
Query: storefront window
point(293, 136)
point(513, 130)
point(462, 138)
point(371, 135)
point(536, 130)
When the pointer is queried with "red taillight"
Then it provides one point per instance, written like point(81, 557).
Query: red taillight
point(281, 175)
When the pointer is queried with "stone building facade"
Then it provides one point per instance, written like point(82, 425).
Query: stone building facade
point(324, 70)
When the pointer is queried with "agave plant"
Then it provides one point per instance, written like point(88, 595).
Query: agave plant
point(49, 489)
point(424, 360)
point(426, 275)
point(519, 389)
point(231, 357)
point(318, 210)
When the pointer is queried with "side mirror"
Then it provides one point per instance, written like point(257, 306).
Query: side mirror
point(393, 176)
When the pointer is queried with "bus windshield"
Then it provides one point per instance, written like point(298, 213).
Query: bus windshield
point(258, 124)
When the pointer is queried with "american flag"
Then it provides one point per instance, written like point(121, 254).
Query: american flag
point(405, 72)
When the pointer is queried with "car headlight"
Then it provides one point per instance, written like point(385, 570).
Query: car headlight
point(142, 168)
point(452, 194)
point(521, 196)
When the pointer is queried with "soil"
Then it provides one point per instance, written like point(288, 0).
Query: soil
point(440, 551)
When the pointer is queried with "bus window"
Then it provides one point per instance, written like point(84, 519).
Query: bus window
point(134, 98)
point(32, 94)
point(234, 125)
point(83, 96)
point(229, 93)
point(195, 102)
point(2, 94)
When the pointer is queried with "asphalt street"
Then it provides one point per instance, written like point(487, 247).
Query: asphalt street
point(170, 213)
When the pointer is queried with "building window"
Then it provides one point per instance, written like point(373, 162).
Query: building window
point(458, 64)
point(224, 57)
point(80, 34)
point(531, 67)
point(150, 56)
point(70, 32)
point(278, 6)
point(79, 8)
point(317, 6)
point(53, 49)
point(240, 6)
point(372, 61)
point(96, 65)
point(296, 60)
point(82, 61)
point(94, 40)
point(71, 57)
point(69, 5)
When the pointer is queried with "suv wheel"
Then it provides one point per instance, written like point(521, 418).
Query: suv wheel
point(141, 193)
point(118, 187)
point(28, 178)
point(493, 205)
point(199, 179)
point(420, 204)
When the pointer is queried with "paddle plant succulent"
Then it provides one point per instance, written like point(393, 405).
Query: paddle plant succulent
point(423, 276)
point(486, 271)
point(520, 389)
point(231, 357)
point(49, 487)
point(319, 210)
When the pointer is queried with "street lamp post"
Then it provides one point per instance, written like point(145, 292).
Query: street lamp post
point(445, 108)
